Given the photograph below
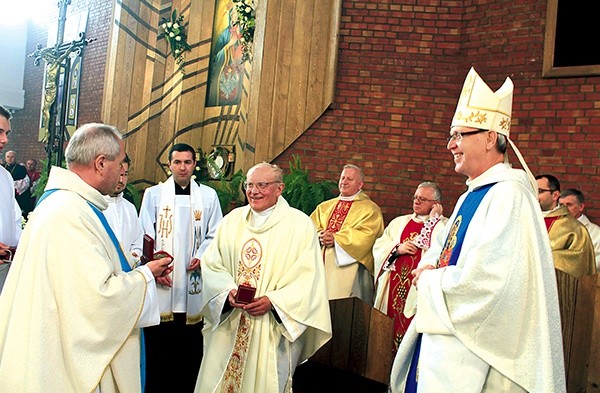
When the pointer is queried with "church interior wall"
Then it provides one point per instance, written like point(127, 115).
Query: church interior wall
point(400, 68)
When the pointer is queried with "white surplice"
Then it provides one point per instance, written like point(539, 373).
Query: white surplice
point(125, 223)
point(184, 230)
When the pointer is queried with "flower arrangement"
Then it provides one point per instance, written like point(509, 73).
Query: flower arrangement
point(174, 31)
point(246, 13)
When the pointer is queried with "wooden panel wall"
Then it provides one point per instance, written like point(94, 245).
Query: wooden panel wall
point(288, 84)
point(293, 75)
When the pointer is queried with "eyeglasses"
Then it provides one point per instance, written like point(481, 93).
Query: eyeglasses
point(458, 136)
point(421, 199)
point(543, 190)
point(261, 185)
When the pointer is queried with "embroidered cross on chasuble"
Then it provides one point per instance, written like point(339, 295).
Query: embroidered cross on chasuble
point(449, 257)
point(249, 272)
point(338, 216)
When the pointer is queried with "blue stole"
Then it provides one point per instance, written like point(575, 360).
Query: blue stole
point(124, 265)
point(448, 257)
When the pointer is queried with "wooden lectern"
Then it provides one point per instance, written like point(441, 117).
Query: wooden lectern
point(358, 358)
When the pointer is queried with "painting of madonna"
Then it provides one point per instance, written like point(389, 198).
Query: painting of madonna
point(226, 71)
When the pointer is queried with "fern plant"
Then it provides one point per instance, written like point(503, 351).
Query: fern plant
point(230, 191)
point(302, 193)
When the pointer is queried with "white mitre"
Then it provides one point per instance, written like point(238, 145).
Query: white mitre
point(480, 107)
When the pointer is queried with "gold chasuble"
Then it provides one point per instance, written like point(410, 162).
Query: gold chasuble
point(572, 247)
point(356, 224)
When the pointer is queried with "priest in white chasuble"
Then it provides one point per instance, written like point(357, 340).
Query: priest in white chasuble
point(264, 298)
point(72, 308)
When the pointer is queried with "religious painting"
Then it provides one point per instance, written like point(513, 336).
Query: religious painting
point(226, 70)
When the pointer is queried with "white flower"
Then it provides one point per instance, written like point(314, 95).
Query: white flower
point(169, 25)
point(248, 9)
point(178, 38)
point(171, 34)
point(176, 25)
point(164, 26)
point(177, 51)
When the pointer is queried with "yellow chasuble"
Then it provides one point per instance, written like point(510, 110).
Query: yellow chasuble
point(356, 225)
point(571, 244)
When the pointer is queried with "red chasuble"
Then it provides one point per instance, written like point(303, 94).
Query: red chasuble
point(400, 282)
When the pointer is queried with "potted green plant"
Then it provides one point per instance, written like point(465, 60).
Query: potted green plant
point(230, 191)
point(302, 193)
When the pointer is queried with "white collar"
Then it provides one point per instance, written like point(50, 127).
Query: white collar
point(351, 197)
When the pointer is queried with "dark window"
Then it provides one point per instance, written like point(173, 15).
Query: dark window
point(571, 40)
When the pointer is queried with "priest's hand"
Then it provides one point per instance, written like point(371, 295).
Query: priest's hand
point(3, 249)
point(260, 306)
point(407, 248)
point(436, 208)
point(161, 268)
point(417, 273)
point(326, 239)
point(194, 264)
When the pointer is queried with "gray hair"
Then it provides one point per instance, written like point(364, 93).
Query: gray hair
point(575, 192)
point(501, 143)
point(361, 174)
point(92, 140)
point(277, 171)
point(437, 192)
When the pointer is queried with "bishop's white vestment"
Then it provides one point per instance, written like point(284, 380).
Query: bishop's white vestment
point(494, 313)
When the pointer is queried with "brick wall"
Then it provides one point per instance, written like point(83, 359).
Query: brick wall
point(400, 71)
point(26, 122)
point(401, 66)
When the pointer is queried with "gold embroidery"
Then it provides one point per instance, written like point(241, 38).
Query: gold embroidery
point(249, 267)
point(165, 222)
point(450, 243)
point(234, 372)
point(197, 215)
point(338, 216)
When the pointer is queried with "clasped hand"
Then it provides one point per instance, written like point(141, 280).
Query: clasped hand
point(259, 306)
point(326, 239)
point(417, 273)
